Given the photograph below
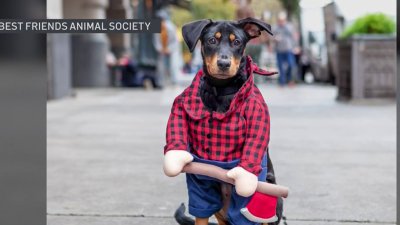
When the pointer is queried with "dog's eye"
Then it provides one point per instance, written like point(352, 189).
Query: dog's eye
point(212, 41)
point(236, 42)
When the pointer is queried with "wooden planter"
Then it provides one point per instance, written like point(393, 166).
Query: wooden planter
point(367, 67)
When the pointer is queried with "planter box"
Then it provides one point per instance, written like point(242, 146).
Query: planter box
point(367, 67)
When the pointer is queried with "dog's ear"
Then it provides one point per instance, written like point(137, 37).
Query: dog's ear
point(253, 27)
point(191, 32)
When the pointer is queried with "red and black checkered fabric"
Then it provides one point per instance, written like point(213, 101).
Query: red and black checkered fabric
point(242, 132)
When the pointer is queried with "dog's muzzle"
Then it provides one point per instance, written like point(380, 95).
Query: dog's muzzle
point(223, 64)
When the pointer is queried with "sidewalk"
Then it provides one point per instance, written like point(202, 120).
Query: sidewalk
point(105, 157)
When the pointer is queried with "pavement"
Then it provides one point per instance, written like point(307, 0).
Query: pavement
point(105, 149)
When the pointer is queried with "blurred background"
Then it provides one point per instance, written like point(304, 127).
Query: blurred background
point(332, 108)
point(319, 30)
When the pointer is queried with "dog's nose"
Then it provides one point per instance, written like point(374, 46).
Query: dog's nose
point(223, 64)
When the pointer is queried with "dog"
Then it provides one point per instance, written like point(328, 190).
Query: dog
point(215, 92)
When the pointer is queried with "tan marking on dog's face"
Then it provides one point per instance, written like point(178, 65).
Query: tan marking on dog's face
point(213, 69)
point(232, 37)
point(211, 64)
point(218, 35)
point(235, 63)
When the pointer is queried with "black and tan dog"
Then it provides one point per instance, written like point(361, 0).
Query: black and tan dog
point(222, 47)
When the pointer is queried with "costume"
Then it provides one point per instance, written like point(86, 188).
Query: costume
point(237, 136)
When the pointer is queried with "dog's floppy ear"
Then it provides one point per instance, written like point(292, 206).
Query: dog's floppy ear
point(191, 32)
point(253, 27)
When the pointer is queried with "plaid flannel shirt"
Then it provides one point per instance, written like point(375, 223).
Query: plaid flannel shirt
point(242, 132)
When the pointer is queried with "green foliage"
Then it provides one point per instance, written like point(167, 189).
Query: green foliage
point(377, 23)
point(180, 16)
point(204, 9)
point(292, 7)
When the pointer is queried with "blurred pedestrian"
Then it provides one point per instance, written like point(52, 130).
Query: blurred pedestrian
point(197, 60)
point(244, 10)
point(129, 71)
point(285, 46)
point(254, 47)
point(111, 63)
point(169, 48)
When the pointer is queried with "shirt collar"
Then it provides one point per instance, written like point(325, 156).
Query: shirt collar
point(194, 106)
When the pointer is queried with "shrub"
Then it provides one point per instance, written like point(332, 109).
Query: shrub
point(377, 23)
point(204, 9)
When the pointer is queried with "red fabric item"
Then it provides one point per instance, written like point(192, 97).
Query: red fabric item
point(242, 132)
point(262, 205)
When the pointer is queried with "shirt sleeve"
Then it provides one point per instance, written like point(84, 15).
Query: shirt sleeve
point(257, 137)
point(177, 129)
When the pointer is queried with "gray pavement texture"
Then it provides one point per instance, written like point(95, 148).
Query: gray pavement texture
point(105, 157)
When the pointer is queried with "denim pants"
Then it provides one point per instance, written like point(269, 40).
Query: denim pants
point(286, 64)
point(205, 193)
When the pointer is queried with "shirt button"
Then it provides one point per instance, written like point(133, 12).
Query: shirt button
point(208, 135)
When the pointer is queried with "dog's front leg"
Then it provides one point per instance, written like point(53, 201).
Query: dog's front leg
point(226, 196)
point(201, 221)
point(220, 218)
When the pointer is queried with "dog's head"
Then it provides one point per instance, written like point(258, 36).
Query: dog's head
point(223, 42)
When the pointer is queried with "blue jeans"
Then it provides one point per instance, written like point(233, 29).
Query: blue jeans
point(205, 193)
point(285, 73)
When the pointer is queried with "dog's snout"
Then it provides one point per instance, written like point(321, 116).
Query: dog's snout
point(224, 64)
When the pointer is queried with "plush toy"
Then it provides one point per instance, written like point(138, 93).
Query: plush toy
point(221, 119)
